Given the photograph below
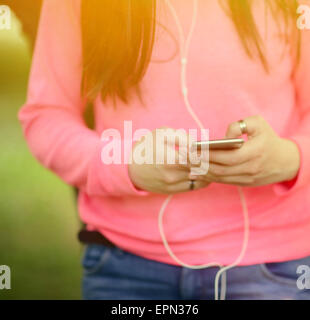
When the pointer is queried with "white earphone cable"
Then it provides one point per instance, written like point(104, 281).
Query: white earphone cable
point(185, 45)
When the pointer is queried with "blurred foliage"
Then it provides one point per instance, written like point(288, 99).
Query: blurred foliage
point(38, 216)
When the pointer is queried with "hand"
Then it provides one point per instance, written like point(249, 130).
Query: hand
point(162, 178)
point(264, 159)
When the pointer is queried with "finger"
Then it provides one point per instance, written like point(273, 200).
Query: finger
point(174, 176)
point(191, 159)
point(250, 168)
point(177, 138)
point(249, 151)
point(168, 156)
point(184, 146)
point(232, 180)
point(175, 145)
point(183, 143)
point(241, 181)
point(177, 160)
point(254, 124)
point(195, 157)
point(183, 163)
point(185, 186)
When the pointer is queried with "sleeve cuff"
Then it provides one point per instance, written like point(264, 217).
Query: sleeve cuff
point(110, 179)
point(303, 176)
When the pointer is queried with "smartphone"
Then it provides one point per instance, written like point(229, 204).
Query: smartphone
point(221, 144)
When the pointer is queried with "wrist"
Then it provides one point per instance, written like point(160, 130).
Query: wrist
point(292, 160)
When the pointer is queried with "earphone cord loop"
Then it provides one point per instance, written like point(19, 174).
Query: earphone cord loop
point(221, 274)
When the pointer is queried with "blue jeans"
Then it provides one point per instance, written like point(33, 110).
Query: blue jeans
point(113, 274)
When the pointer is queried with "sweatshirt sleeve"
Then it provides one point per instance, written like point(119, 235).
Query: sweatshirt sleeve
point(301, 136)
point(52, 118)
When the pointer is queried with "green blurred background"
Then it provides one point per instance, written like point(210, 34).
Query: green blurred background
point(38, 216)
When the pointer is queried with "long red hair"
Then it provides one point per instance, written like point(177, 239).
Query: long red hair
point(118, 38)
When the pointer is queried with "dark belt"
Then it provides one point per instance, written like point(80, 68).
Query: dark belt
point(94, 237)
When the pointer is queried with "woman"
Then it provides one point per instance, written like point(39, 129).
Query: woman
point(236, 60)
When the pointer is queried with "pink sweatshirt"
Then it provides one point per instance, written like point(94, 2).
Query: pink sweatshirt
point(224, 86)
